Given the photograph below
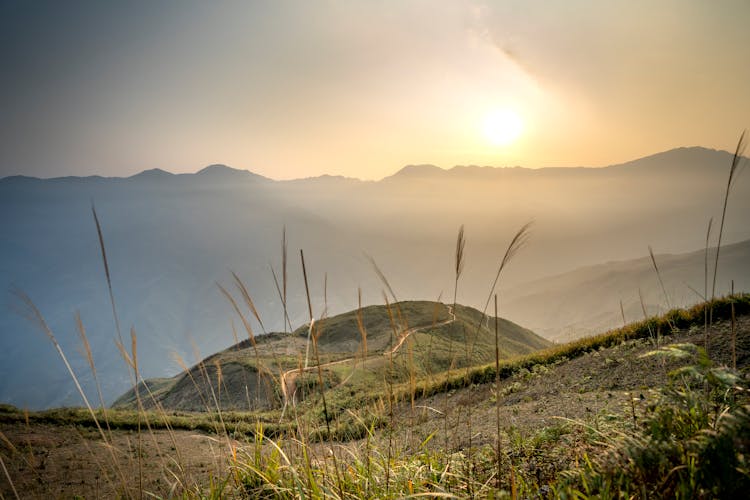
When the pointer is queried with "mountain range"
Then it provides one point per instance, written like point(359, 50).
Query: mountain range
point(170, 238)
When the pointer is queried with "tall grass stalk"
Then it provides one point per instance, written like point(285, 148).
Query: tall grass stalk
point(248, 300)
point(516, 243)
point(92, 366)
point(458, 268)
point(178, 359)
point(497, 395)
point(35, 316)
point(389, 382)
point(142, 416)
point(284, 276)
point(262, 372)
point(402, 321)
point(10, 481)
point(654, 338)
point(285, 320)
point(140, 412)
point(733, 170)
point(734, 332)
point(705, 286)
point(361, 327)
point(321, 386)
point(309, 308)
point(658, 276)
point(459, 262)
point(106, 274)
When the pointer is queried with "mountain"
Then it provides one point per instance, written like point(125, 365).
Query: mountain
point(154, 174)
point(225, 173)
point(424, 339)
point(587, 300)
point(171, 238)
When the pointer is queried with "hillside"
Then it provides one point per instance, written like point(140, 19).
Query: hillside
point(573, 417)
point(171, 238)
point(411, 340)
point(587, 300)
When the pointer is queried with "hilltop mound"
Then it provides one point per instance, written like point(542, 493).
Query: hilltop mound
point(407, 339)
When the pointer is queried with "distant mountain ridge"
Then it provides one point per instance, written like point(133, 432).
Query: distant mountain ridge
point(688, 157)
point(170, 238)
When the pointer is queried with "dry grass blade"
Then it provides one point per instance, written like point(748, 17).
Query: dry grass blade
point(309, 308)
point(497, 394)
point(307, 288)
point(286, 321)
point(519, 240)
point(382, 277)
point(516, 243)
point(234, 336)
point(361, 326)
point(7, 476)
point(106, 273)
point(33, 314)
point(734, 332)
point(140, 412)
point(643, 304)
point(248, 300)
point(658, 275)
point(401, 317)
point(389, 381)
point(705, 284)
point(460, 243)
point(654, 338)
point(733, 170)
point(90, 359)
point(245, 322)
point(284, 269)
point(178, 359)
point(263, 371)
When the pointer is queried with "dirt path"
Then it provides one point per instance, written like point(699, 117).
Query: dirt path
point(415, 329)
point(52, 461)
point(287, 379)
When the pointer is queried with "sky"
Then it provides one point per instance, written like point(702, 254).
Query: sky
point(291, 89)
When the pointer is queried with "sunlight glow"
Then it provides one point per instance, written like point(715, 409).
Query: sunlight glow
point(502, 127)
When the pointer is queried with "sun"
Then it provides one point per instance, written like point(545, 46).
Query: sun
point(502, 127)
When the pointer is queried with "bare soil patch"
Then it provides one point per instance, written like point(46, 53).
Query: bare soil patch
point(49, 461)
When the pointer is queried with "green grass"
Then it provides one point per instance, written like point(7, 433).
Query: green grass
point(299, 456)
point(435, 346)
point(353, 398)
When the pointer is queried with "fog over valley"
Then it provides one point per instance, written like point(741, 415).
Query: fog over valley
point(171, 238)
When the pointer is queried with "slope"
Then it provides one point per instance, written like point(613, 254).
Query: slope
point(170, 238)
point(411, 339)
point(587, 300)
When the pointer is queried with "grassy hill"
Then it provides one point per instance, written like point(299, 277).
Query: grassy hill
point(638, 412)
point(356, 351)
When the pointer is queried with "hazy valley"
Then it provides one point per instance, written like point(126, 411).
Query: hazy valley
point(171, 238)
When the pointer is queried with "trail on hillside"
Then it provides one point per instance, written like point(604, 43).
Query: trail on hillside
point(287, 378)
point(415, 329)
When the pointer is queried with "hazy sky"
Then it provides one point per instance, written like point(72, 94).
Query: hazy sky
point(293, 89)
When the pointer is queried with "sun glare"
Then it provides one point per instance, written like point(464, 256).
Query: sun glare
point(502, 127)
